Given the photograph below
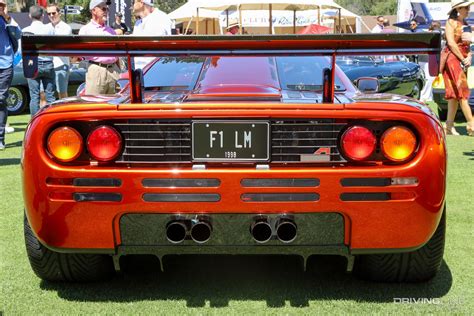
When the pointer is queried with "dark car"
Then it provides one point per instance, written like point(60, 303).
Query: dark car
point(19, 97)
point(395, 76)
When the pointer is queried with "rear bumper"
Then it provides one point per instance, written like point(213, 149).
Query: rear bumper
point(375, 217)
point(80, 208)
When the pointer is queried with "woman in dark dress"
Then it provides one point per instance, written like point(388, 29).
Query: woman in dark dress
point(455, 69)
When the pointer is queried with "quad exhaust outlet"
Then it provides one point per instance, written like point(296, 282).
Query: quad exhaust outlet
point(198, 229)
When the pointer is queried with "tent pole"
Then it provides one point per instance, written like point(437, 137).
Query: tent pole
point(319, 15)
point(187, 26)
point(240, 19)
point(348, 23)
point(271, 18)
point(227, 18)
point(197, 21)
point(207, 27)
point(294, 21)
point(340, 22)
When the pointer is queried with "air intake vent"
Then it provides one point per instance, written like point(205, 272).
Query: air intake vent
point(306, 141)
point(155, 141)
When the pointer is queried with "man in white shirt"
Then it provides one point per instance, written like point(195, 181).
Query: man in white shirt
point(61, 64)
point(102, 72)
point(46, 75)
point(378, 28)
point(153, 23)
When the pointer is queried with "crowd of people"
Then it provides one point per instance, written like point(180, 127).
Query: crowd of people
point(103, 72)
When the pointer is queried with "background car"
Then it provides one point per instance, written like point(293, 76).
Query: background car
point(19, 98)
point(395, 75)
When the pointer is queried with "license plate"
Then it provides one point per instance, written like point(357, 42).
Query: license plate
point(230, 141)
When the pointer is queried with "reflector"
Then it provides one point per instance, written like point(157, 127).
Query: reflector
point(65, 143)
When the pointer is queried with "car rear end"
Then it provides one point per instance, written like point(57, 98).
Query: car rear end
point(236, 177)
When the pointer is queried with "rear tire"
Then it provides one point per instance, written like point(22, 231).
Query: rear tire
point(416, 266)
point(54, 266)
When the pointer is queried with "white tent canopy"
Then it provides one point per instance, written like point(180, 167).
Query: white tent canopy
point(282, 13)
point(189, 11)
point(298, 5)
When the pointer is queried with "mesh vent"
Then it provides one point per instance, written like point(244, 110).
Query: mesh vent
point(152, 141)
point(169, 141)
point(306, 140)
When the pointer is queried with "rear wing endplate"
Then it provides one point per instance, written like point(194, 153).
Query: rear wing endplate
point(243, 45)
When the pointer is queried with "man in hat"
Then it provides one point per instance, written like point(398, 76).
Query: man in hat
point(7, 29)
point(154, 22)
point(102, 72)
point(233, 28)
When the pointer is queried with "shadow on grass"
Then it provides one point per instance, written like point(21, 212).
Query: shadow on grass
point(469, 154)
point(18, 124)
point(15, 144)
point(9, 161)
point(220, 279)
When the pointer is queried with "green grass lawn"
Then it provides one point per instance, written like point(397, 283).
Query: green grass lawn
point(238, 284)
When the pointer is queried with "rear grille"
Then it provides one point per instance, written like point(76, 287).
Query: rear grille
point(306, 140)
point(152, 141)
point(169, 141)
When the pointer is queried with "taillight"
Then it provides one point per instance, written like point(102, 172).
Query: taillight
point(358, 143)
point(398, 143)
point(104, 143)
point(65, 143)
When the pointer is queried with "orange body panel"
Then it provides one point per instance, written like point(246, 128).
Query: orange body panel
point(408, 222)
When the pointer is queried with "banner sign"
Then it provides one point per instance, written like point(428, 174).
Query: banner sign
point(280, 18)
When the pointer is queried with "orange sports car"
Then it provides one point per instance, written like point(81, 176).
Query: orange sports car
point(249, 145)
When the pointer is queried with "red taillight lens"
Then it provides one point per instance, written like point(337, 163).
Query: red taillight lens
point(104, 143)
point(358, 143)
point(398, 143)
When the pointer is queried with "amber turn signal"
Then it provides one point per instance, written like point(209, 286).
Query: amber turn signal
point(398, 143)
point(65, 143)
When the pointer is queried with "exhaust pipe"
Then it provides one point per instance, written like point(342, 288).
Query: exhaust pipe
point(176, 232)
point(261, 230)
point(285, 230)
point(201, 231)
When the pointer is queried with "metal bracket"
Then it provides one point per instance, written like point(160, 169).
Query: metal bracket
point(116, 260)
point(350, 263)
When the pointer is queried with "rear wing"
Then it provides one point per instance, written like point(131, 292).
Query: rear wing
point(243, 45)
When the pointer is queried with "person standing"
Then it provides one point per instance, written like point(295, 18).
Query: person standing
point(378, 28)
point(455, 58)
point(119, 25)
point(414, 27)
point(46, 75)
point(61, 64)
point(7, 50)
point(233, 28)
point(153, 23)
point(102, 72)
